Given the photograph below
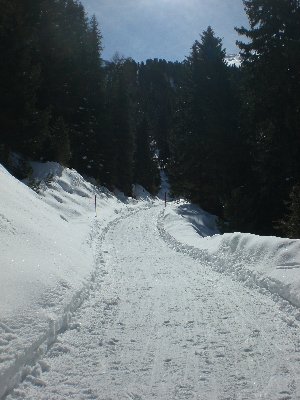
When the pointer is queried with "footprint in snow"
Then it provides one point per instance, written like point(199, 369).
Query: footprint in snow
point(255, 333)
point(113, 342)
point(248, 349)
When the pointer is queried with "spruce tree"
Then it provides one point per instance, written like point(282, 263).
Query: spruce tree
point(271, 61)
point(205, 127)
point(24, 126)
point(120, 132)
point(145, 168)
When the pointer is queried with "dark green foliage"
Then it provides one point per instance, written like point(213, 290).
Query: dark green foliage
point(145, 167)
point(205, 130)
point(51, 83)
point(271, 62)
point(59, 148)
point(158, 81)
point(290, 225)
point(23, 126)
point(120, 80)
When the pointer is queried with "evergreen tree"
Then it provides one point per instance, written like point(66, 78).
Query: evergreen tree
point(92, 102)
point(271, 60)
point(145, 168)
point(58, 146)
point(119, 136)
point(23, 126)
point(158, 82)
point(205, 127)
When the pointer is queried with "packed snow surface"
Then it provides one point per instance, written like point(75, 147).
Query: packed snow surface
point(139, 302)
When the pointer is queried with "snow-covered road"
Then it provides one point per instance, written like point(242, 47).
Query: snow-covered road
point(160, 325)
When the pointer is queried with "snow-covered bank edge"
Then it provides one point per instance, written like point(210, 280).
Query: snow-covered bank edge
point(269, 263)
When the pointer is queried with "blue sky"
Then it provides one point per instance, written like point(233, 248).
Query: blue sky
point(144, 29)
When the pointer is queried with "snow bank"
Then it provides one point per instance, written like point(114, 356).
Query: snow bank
point(188, 223)
point(141, 193)
point(270, 262)
point(48, 240)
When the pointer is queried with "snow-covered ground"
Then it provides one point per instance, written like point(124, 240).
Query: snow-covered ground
point(48, 259)
point(140, 302)
point(271, 263)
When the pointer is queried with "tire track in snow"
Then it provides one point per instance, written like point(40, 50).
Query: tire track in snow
point(162, 325)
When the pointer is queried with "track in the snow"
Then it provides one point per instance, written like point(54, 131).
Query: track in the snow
point(161, 325)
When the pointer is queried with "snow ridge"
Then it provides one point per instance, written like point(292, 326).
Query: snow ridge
point(250, 259)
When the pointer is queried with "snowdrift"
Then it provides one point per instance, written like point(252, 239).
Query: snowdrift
point(271, 263)
point(47, 258)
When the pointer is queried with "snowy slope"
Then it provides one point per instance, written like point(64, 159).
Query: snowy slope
point(47, 259)
point(270, 262)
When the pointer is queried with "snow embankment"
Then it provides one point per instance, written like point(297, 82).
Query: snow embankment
point(48, 240)
point(271, 263)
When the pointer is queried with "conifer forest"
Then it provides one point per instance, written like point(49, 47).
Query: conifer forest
point(227, 136)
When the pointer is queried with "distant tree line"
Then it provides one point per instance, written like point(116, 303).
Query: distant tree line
point(229, 137)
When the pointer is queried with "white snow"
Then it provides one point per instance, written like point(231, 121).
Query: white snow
point(270, 262)
point(47, 258)
point(140, 302)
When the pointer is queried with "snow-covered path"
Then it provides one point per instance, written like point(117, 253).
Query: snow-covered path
point(160, 325)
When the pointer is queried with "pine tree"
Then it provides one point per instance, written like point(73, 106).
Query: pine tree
point(51, 83)
point(58, 146)
point(119, 134)
point(24, 126)
point(206, 128)
point(93, 101)
point(271, 60)
point(158, 84)
point(146, 171)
